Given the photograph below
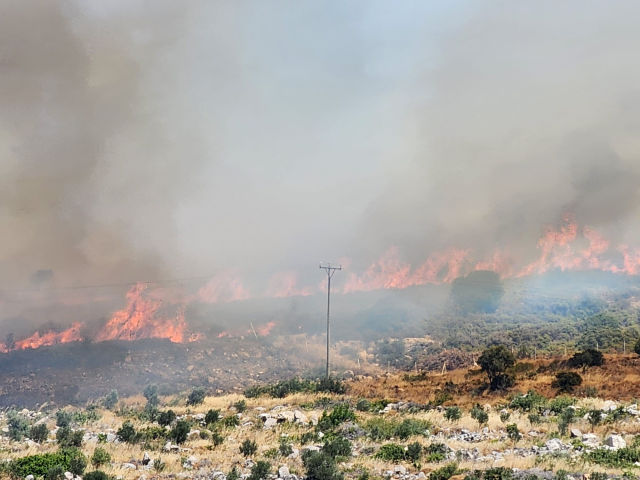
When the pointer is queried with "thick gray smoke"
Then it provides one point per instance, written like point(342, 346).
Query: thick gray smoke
point(531, 114)
point(152, 140)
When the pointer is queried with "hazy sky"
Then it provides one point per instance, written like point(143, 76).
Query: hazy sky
point(160, 139)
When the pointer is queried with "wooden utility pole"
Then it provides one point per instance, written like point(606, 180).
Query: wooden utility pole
point(330, 271)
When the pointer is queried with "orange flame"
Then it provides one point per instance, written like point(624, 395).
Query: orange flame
point(225, 287)
point(37, 340)
point(139, 319)
point(284, 284)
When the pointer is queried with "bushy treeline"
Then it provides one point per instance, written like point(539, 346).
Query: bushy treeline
point(296, 385)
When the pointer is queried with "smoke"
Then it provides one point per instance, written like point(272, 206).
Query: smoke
point(530, 117)
point(164, 140)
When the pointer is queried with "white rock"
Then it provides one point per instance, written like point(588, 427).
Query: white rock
point(609, 405)
point(287, 416)
point(146, 458)
point(400, 469)
point(615, 442)
point(283, 471)
point(167, 446)
point(590, 439)
point(29, 477)
point(111, 437)
point(129, 466)
point(295, 453)
point(68, 475)
point(270, 423)
point(142, 477)
point(553, 445)
point(314, 419)
point(575, 433)
point(300, 417)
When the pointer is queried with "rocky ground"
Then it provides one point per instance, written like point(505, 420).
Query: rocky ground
point(542, 450)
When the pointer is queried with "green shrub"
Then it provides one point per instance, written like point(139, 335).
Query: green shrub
point(233, 474)
point(320, 466)
point(55, 473)
point(260, 471)
point(100, 457)
point(18, 426)
point(285, 448)
point(197, 396)
point(166, 418)
point(110, 400)
point(594, 417)
point(159, 465)
point(63, 418)
point(436, 452)
point(127, 433)
point(363, 405)
point(78, 464)
point(230, 421)
point(39, 433)
point(495, 361)
point(498, 473)
point(69, 438)
point(95, 475)
point(410, 427)
point(212, 417)
point(478, 414)
point(444, 473)
point(531, 401)
point(505, 416)
point(567, 381)
point(180, 432)
point(453, 414)
point(150, 392)
point(534, 418)
point(295, 385)
point(340, 414)
point(248, 448)
point(414, 452)
point(337, 447)
point(621, 458)
point(390, 452)
point(216, 439)
point(599, 476)
point(513, 433)
point(240, 406)
point(590, 357)
point(38, 465)
point(559, 404)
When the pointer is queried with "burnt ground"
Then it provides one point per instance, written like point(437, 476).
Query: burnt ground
point(81, 371)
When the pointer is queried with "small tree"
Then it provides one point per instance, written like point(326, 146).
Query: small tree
point(55, 473)
point(513, 433)
point(495, 361)
point(212, 417)
point(68, 438)
point(127, 432)
point(95, 475)
point(166, 418)
point(197, 396)
point(63, 418)
point(338, 447)
point(478, 414)
point(636, 347)
point(39, 433)
point(566, 381)
point(78, 464)
point(453, 414)
point(150, 392)
point(248, 448)
point(100, 457)
point(594, 417)
point(260, 471)
point(180, 432)
point(587, 358)
point(111, 400)
point(565, 419)
point(320, 466)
